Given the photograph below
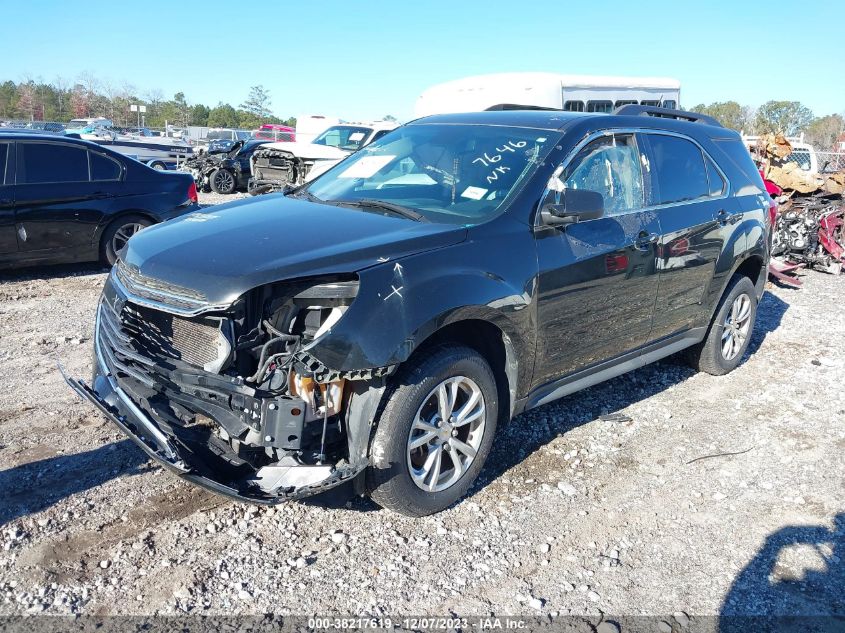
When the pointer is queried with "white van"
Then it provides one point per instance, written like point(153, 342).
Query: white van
point(576, 93)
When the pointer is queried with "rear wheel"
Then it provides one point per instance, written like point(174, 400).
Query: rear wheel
point(435, 432)
point(222, 181)
point(730, 332)
point(158, 165)
point(118, 233)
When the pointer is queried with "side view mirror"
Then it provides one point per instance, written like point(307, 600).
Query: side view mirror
point(576, 205)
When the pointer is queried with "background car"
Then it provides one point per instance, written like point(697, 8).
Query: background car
point(224, 172)
point(67, 200)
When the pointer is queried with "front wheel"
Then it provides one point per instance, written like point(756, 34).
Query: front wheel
point(435, 432)
point(222, 181)
point(730, 332)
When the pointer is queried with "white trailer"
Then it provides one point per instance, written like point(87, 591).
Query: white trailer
point(576, 93)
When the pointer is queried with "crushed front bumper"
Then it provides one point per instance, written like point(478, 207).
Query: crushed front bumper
point(272, 484)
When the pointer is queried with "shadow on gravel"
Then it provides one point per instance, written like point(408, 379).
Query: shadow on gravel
point(772, 594)
point(770, 313)
point(32, 487)
point(52, 271)
point(533, 429)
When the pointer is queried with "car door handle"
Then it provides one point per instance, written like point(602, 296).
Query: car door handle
point(645, 241)
point(100, 195)
point(724, 217)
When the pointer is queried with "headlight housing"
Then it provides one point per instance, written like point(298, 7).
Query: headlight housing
point(313, 307)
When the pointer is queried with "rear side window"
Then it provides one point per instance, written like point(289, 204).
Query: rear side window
point(51, 162)
point(4, 153)
point(717, 183)
point(680, 169)
point(104, 167)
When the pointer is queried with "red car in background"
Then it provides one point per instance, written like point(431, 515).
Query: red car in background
point(274, 132)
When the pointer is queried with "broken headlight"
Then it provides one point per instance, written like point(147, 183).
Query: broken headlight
point(314, 309)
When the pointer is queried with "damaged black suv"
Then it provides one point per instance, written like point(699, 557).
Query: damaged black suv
point(378, 324)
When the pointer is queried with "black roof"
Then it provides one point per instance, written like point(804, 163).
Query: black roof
point(540, 119)
point(558, 120)
point(12, 134)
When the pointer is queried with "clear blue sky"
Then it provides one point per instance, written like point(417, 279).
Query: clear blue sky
point(368, 59)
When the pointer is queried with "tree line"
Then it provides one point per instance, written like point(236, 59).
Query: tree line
point(789, 117)
point(87, 96)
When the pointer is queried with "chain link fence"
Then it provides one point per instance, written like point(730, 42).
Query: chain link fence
point(830, 162)
point(43, 126)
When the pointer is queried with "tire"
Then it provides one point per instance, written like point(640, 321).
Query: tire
point(158, 166)
point(730, 331)
point(118, 233)
point(222, 181)
point(411, 416)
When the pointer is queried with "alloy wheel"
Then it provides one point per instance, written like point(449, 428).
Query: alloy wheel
point(123, 234)
point(223, 180)
point(736, 327)
point(446, 434)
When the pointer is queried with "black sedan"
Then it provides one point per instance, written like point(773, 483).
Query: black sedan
point(66, 200)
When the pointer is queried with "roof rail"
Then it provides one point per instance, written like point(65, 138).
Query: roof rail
point(516, 106)
point(683, 115)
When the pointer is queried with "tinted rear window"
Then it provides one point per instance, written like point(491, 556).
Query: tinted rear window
point(679, 164)
point(103, 167)
point(51, 162)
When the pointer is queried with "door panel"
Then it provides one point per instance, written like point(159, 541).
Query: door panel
point(697, 221)
point(598, 278)
point(597, 289)
point(8, 239)
point(55, 210)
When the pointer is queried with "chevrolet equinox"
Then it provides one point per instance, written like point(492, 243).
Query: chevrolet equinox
point(376, 325)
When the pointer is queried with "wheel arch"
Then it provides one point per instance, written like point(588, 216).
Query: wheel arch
point(751, 265)
point(111, 219)
point(493, 344)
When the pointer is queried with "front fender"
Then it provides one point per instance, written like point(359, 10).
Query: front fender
point(402, 303)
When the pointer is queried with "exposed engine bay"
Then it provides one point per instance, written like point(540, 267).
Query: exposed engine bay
point(235, 394)
point(274, 169)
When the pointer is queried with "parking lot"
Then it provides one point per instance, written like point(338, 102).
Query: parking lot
point(660, 492)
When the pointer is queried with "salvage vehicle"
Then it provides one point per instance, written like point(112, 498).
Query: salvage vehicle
point(287, 164)
point(223, 172)
point(377, 325)
point(66, 200)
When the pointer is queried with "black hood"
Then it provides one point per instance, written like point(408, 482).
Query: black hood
point(235, 247)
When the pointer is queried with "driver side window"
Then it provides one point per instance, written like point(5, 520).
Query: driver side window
point(610, 166)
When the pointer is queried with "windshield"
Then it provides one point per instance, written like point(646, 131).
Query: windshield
point(447, 173)
point(348, 137)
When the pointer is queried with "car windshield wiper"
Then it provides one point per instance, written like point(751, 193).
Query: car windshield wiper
point(305, 194)
point(398, 209)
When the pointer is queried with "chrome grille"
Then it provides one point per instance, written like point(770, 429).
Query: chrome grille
point(138, 336)
point(138, 285)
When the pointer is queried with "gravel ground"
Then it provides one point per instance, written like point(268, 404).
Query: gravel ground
point(610, 501)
